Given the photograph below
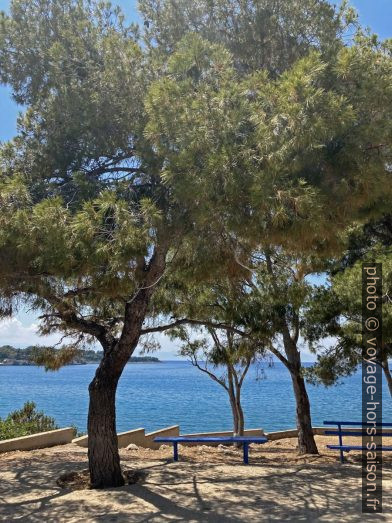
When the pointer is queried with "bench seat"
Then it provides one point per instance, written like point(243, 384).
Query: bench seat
point(347, 448)
point(244, 440)
point(359, 430)
point(354, 433)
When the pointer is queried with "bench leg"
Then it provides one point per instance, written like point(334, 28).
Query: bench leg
point(341, 443)
point(246, 453)
point(175, 451)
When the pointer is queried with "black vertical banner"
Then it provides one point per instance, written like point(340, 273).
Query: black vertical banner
point(372, 388)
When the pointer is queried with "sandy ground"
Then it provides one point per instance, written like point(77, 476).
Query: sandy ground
point(207, 485)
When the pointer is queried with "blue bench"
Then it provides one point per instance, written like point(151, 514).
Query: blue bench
point(212, 439)
point(342, 448)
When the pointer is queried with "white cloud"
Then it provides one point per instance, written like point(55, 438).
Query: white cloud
point(14, 332)
point(21, 334)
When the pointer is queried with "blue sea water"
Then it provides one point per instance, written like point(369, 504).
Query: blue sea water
point(153, 396)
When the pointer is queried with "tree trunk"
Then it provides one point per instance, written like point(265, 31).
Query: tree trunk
point(241, 421)
point(104, 460)
point(306, 442)
point(240, 430)
point(235, 415)
point(238, 416)
point(103, 456)
point(235, 418)
point(387, 373)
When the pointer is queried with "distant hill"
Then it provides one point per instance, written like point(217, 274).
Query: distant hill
point(11, 356)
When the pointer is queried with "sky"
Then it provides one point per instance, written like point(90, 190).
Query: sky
point(21, 331)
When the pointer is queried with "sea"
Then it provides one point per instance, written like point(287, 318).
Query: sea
point(156, 395)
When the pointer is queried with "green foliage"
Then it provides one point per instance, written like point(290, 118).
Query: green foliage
point(25, 421)
point(335, 311)
point(282, 157)
point(235, 126)
point(54, 359)
point(260, 34)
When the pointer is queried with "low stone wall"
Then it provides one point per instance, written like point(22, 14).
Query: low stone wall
point(281, 434)
point(135, 436)
point(149, 442)
point(139, 438)
point(292, 433)
point(317, 431)
point(82, 441)
point(38, 441)
point(247, 432)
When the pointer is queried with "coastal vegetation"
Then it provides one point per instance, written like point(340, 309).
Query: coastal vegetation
point(222, 141)
point(25, 421)
point(29, 356)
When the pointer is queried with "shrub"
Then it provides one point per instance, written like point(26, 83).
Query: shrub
point(25, 421)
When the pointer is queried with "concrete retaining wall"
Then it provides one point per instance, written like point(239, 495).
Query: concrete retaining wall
point(82, 441)
point(135, 436)
point(317, 431)
point(38, 441)
point(282, 434)
point(247, 432)
point(293, 433)
point(139, 438)
point(167, 431)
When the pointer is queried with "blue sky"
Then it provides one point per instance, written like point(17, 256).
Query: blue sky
point(21, 330)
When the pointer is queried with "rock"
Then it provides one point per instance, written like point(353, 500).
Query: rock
point(223, 448)
point(132, 446)
point(164, 447)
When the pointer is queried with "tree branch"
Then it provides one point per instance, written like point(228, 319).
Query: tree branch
point(280, 356)
point(244, 372)
point(196, 364)
point(188, 321)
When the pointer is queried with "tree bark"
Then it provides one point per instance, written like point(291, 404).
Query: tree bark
point(103, 456)
point(233, 402)
point(387, 373)
point(234, 391)
point(241, 421)
point(235, 417)
point(306, 441)
point(241, 427)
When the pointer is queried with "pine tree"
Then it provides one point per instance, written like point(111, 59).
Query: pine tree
point(128, 153)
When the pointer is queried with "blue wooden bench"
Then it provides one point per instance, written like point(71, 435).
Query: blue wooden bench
point(245, 440)
point(342, 448)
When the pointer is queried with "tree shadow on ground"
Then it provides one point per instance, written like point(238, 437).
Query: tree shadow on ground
point(189, 492)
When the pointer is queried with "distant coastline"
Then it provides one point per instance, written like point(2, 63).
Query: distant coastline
point(10, 356)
